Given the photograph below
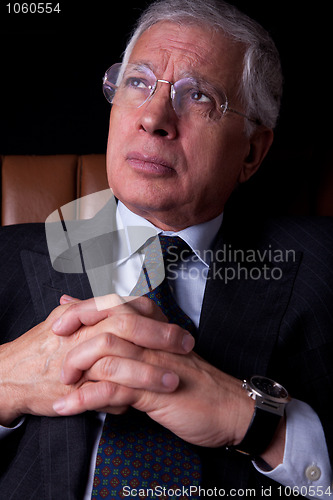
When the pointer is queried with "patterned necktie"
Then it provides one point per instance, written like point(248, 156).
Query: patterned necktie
point(174, 250)
point(134, 451)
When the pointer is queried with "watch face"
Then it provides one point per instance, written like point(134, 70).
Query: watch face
point(269, 387)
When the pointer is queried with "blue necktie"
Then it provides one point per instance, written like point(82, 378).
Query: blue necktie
point(174, 250)
point(134, 451)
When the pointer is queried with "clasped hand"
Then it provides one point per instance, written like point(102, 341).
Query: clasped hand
point(88, 357)
point(134, 357)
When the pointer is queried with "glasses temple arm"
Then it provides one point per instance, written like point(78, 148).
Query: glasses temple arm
point(227, 108)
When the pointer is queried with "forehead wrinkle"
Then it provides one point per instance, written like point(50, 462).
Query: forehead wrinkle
point(169, 65)
point(188, 51)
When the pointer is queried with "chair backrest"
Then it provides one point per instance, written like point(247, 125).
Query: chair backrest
point(34, 186)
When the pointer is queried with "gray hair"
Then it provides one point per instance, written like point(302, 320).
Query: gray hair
point(261, 85)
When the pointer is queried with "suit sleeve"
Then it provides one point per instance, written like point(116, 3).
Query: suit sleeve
point(304, 354)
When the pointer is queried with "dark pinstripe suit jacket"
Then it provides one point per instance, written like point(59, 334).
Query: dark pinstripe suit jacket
point(282, 327)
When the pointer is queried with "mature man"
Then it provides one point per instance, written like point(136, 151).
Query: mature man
point(194, 106)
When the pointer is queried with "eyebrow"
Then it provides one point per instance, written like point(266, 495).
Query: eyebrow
point(141, 65)
point(201, 79)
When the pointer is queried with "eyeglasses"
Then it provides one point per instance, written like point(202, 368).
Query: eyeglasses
point(134, 85)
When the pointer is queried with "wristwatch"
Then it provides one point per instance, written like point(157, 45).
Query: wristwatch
point(270, 402)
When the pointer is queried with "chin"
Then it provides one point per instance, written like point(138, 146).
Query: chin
point(146, 197)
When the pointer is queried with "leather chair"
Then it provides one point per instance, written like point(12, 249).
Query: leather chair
point(33, 187)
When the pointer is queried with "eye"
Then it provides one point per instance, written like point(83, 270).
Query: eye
point(136, 83)
point(200, 97)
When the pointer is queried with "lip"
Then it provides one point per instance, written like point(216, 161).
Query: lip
point(150, 164)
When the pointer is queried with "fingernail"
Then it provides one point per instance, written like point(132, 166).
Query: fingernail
point(56, 325)
point(188, 342)
point(170, 380)
point(64, 299)
point(59, 405)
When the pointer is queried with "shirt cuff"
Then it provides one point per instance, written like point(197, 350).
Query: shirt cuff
point(306, 468)
point(5, 431)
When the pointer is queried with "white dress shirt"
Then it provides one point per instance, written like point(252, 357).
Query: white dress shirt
point(306, 466)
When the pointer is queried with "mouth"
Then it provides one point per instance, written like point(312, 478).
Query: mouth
point(149, 164)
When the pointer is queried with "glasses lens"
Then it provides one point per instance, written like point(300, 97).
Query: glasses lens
point(136, 86)
point(192, 97)
point(130, 88)
point(110, 82)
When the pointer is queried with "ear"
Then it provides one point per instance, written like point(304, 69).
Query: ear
point(259, 144)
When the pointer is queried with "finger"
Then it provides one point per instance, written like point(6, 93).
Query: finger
point(148, 332)
point(133, 374)
point(88, 312)
point(67, 299)
point(94, 396)
point(84, 312)
point(85, 355)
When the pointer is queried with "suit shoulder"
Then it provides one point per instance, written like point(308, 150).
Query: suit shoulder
point(30, 236)
point(312, 239)
point(302, 233)
point(298, 232)
point(26, 228)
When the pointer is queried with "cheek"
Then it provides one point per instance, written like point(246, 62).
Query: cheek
point(205, 151)
point(214, 159)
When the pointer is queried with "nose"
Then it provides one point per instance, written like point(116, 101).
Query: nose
point(158, 116)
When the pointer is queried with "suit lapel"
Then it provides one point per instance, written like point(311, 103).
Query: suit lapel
point(243, 307)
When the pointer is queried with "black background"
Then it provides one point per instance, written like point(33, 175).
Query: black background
point(51, 100)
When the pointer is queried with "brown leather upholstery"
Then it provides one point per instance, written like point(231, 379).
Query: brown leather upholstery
point(34, 186)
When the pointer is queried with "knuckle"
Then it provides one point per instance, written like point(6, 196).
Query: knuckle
point(73, 308)
point(106, 390)
point(92, 394)
point(150, 377)
point(118, 323)
point(56, 313)
point(81, 397)
point(106, 342)
point(173, 334)
point(146, 376)
point(108, 367)
point(135, 327)
point(127, 326)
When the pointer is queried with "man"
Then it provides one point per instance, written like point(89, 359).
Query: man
point(191, 119)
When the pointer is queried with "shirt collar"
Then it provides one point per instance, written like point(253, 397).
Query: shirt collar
point(199, 237)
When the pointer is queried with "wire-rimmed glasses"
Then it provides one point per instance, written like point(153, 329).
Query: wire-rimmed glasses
point(134, 85)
